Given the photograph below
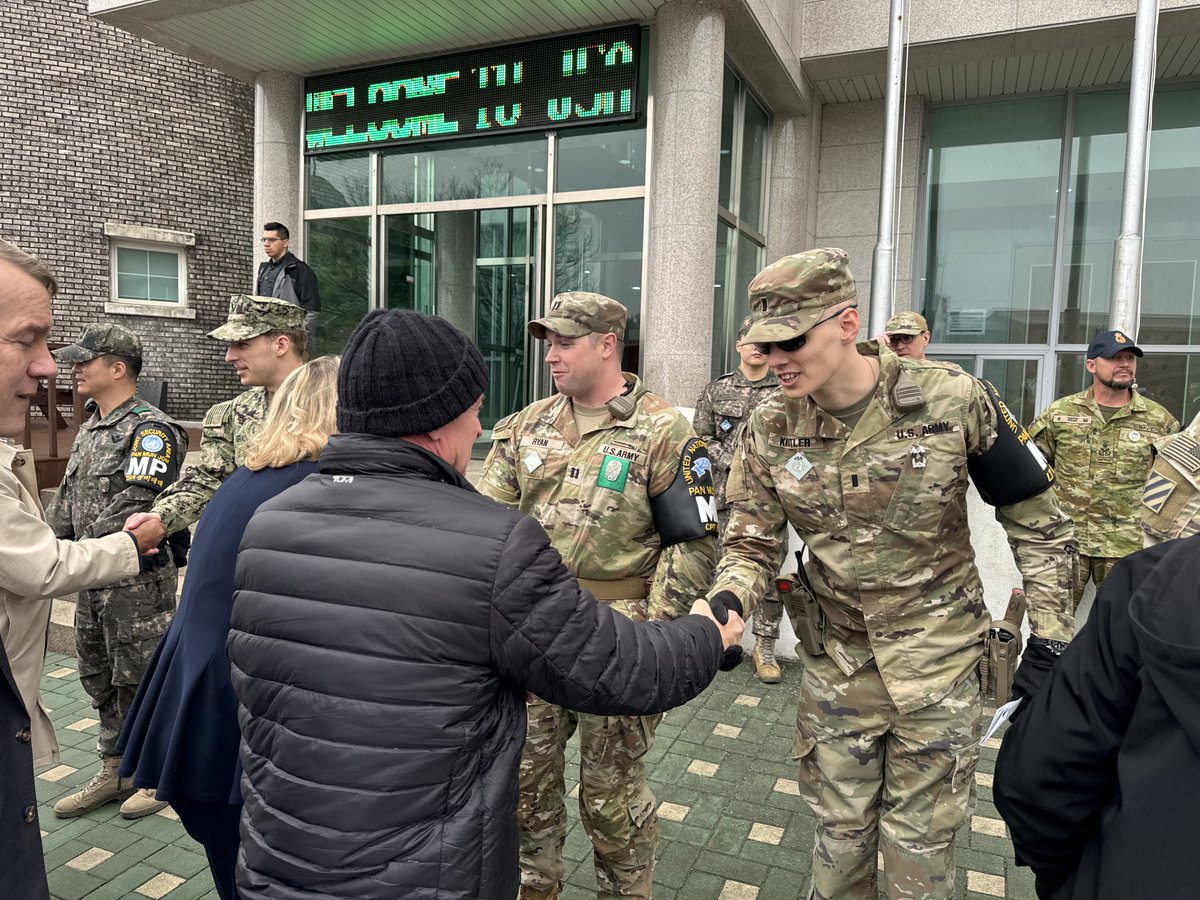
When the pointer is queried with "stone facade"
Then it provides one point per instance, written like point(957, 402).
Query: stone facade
point(105, 127)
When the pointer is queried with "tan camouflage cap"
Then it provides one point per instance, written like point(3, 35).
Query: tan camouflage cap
point(789, 296)
point(576, 313)
point(99, 339)
point(250, 316)
point(745, 326)
point(906, 323)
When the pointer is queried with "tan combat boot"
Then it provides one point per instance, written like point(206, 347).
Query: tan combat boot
point(765, 666)
point(532, 893)
point(106, 787)
point(142, 803)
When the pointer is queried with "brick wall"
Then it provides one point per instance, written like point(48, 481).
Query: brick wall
point(101, 126)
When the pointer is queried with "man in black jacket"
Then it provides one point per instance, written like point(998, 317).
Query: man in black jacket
point(1098, 778)
point(287, 277)
point(387, 623)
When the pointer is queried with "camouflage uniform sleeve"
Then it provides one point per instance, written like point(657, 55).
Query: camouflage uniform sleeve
point(1043, 435)
point(58, 513)
point(139, 492)
point(499, 478)
point(1040, 535)
point(684, 570)
point(755, 539)
point(182, 503)
point(703, 420)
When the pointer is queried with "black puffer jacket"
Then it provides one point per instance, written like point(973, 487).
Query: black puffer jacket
point(387, 620)
point(1098, 779)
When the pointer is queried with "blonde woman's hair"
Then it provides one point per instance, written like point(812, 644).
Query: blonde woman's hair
point(303, 414)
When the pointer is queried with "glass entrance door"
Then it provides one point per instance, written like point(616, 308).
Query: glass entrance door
point(477, 268)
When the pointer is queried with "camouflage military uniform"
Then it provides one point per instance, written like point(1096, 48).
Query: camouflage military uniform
point(1101, 468)
point(1171, 495)
point(118, 464)
point(592, 495)
point(229, 427)
point(889, 720)
point(721, 414)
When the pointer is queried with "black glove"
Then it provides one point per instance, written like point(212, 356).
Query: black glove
point(720, 606)
point(1037, 663)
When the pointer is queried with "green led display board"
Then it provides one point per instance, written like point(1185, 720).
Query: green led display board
point(583, 79)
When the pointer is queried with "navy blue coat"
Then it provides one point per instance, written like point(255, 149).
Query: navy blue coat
point(22, 871)
point(181, 735)
point(387, 623)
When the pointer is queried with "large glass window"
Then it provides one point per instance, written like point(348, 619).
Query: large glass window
point(465, 171)
point(598, 247)
point(993, 176)
point(340, 250)
point(745, 132)
point(598, 160)
point(1020, 240)
point(338, 180)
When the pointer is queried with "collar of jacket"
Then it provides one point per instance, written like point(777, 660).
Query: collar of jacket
point(552, 416)
point(1136, 402)
point(369, 454)
point(115, 415)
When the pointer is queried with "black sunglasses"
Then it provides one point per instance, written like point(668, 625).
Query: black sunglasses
point(791, 345)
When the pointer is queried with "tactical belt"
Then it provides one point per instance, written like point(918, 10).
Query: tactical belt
point(618, 589)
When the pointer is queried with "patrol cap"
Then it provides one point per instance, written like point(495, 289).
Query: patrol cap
point(1110, 343)
point(790, 296)
point(576, 313)
point(906, 323)
point(250, 316)
point(745, 326)
point(99, 339)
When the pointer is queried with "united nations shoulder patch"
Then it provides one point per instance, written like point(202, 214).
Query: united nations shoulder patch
point(153, 457)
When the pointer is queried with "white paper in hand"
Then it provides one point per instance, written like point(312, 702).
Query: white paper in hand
point(1003, 714)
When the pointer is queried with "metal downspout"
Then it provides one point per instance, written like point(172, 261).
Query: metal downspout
point(883, 264)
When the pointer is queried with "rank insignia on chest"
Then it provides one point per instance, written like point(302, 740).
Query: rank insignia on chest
point(613, 473)
point(799, 466)
point(726, 425)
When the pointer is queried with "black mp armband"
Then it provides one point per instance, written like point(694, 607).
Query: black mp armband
point(1014, 469)
point(687, 509)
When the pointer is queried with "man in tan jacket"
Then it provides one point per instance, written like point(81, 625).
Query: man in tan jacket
point(34, 567)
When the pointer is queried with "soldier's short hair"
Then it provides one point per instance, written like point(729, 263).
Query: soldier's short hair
point(132, 363)
point(298, 337)
point(29, 264)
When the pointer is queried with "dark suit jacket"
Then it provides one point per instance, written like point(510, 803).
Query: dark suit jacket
point(21, 864)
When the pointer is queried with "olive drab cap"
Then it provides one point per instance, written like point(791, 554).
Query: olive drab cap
point(576, 313)
point(789, 296)
point(98, 340)
point(906, 323)
point(250, 316)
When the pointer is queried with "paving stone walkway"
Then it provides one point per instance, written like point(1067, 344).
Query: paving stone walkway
point(733, 824)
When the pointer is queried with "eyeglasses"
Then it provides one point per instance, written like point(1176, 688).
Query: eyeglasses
point(903, 338)
point(791, 345)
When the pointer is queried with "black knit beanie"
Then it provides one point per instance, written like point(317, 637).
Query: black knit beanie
point(404, 372)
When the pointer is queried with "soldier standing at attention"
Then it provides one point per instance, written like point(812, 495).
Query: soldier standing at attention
point(623, 487)
point(1100, 442)
point(267, 342)
point(123, 457)
point(721, 414)
point(867, 456)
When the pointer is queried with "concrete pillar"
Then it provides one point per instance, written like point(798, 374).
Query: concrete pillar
point(454, 268)
point(689, 54)
point(278, 142)
point(792, 197)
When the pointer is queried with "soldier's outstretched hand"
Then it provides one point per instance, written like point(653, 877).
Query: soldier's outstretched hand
point(147, 528)
point(728, 619)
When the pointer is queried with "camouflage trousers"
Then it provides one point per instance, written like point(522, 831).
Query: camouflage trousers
point(769, 609)
point(615, 803)
point(881, 782)
point(117, 631)
point(1095, 568)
